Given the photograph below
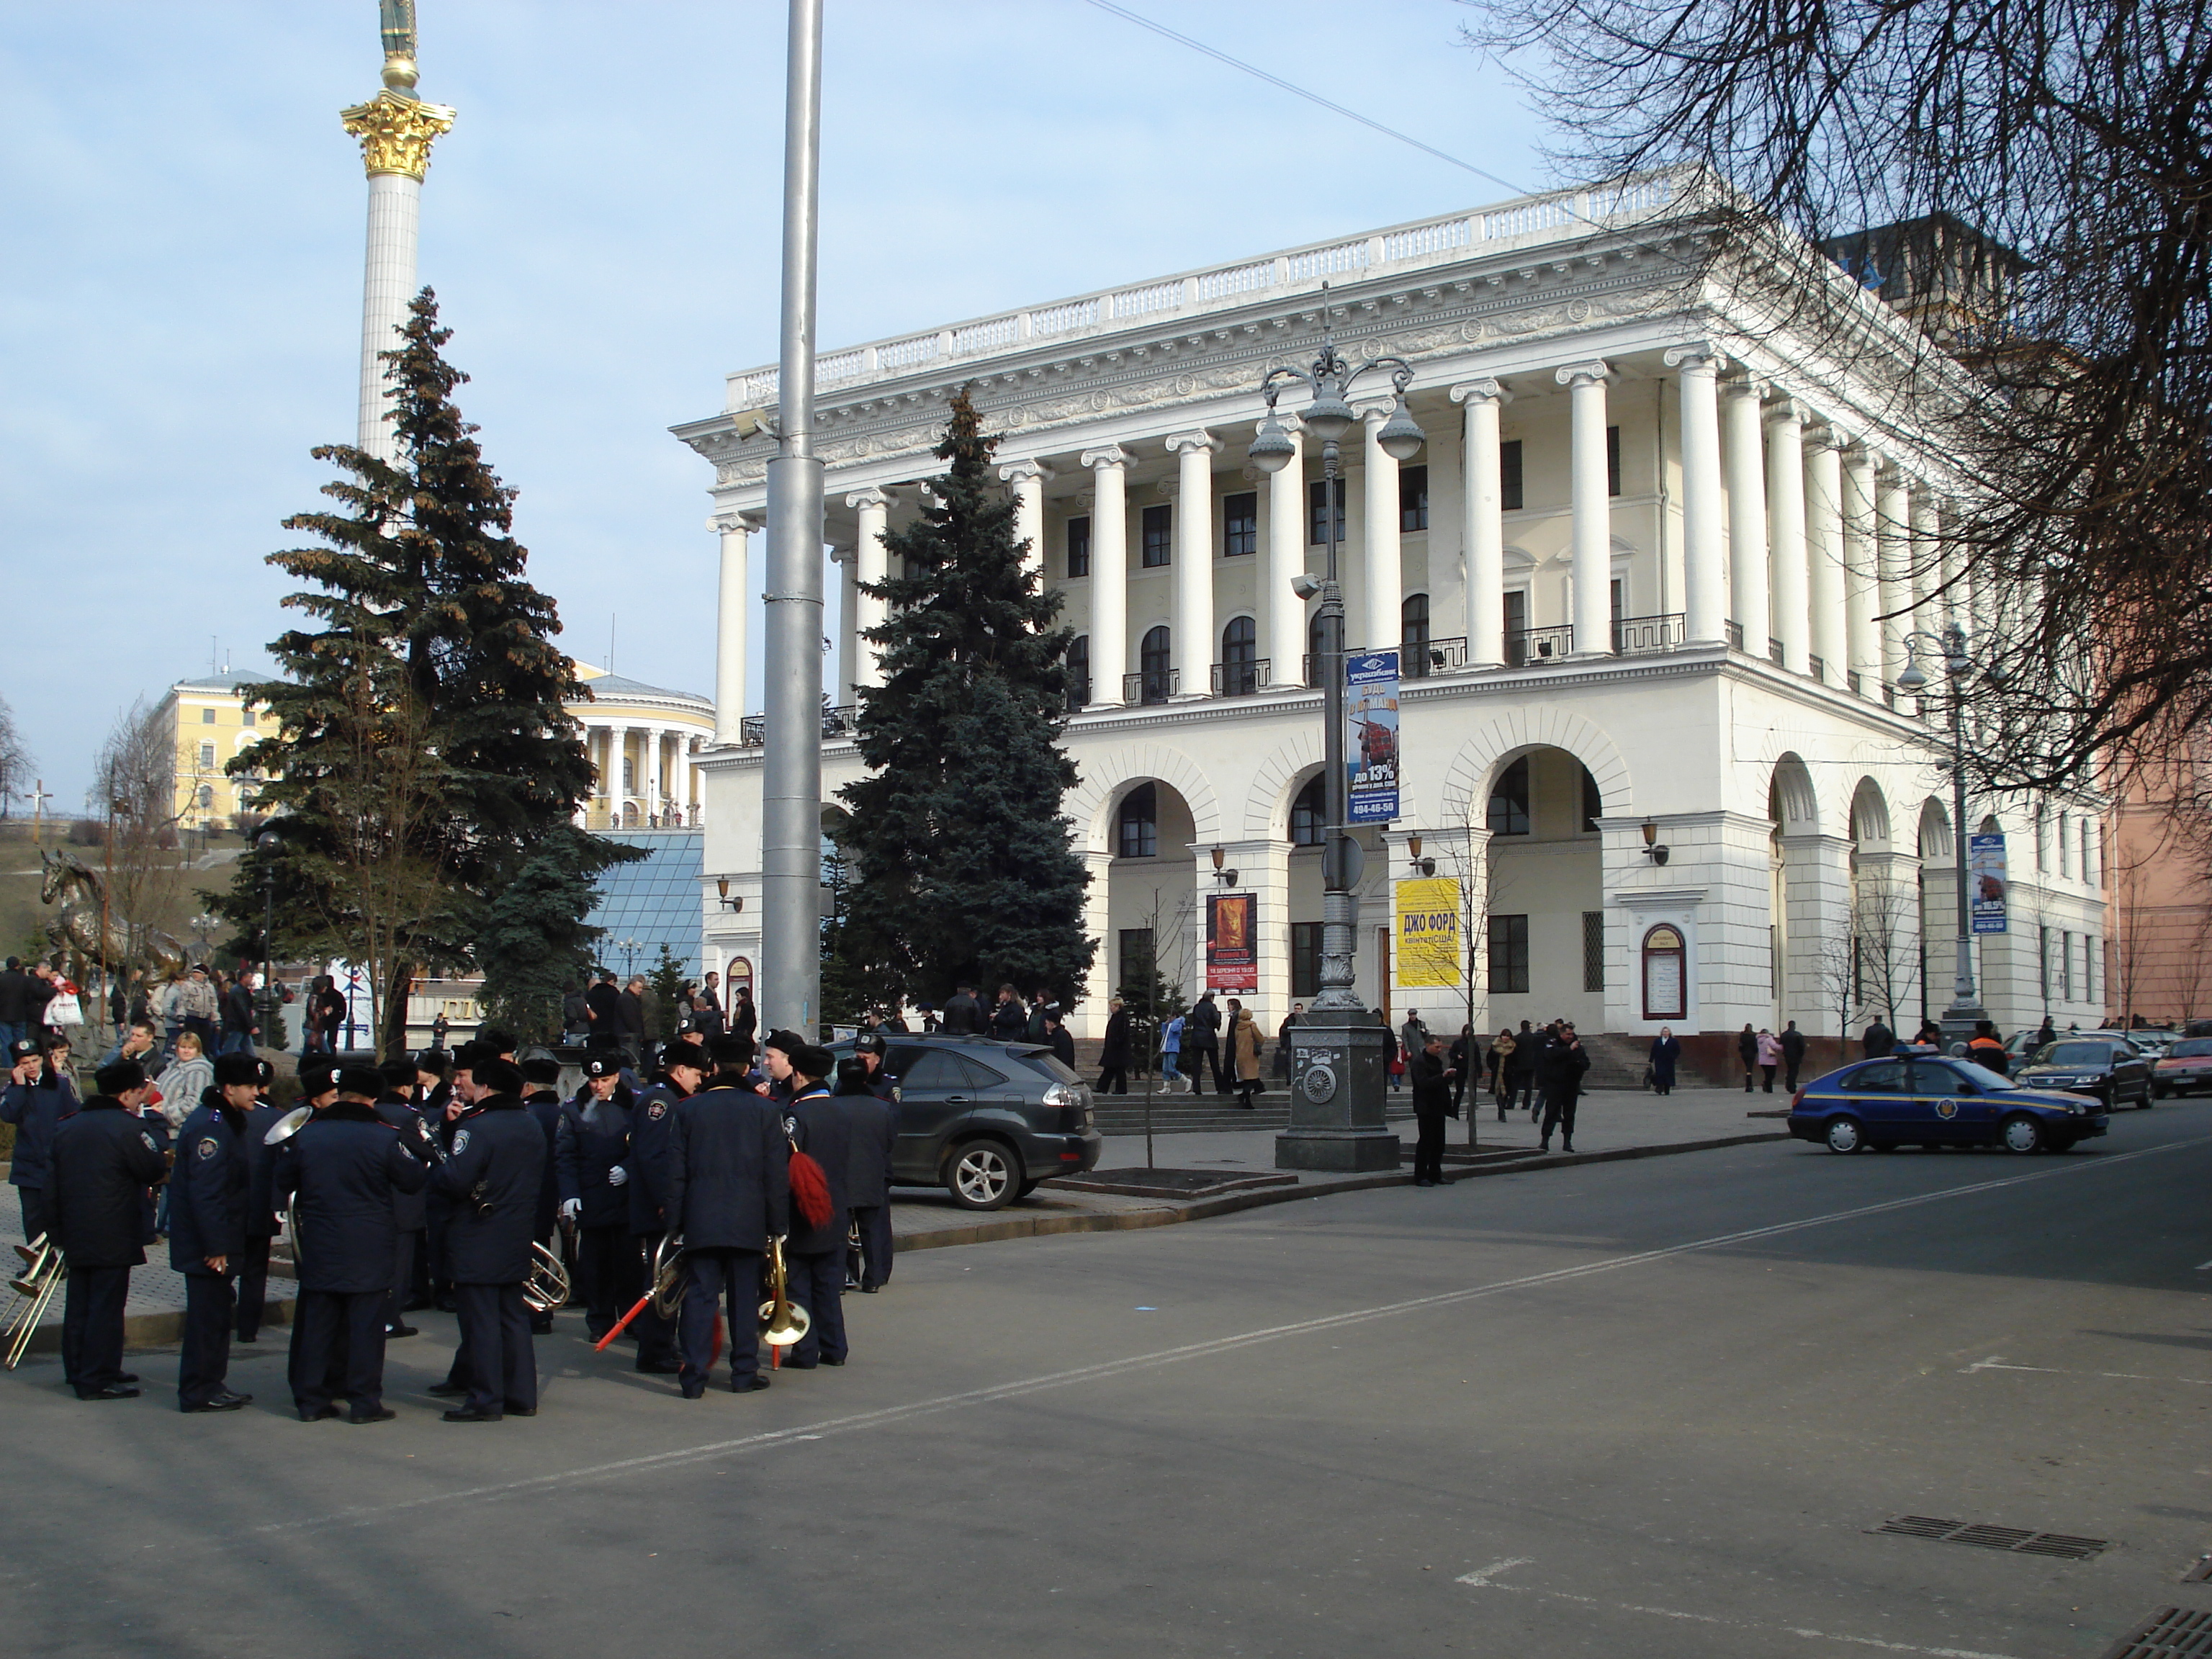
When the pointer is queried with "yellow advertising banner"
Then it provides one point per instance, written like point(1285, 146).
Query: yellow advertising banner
point(1428, 949)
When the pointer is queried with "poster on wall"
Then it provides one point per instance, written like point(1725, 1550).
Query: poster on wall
point(1428, 943)
point(1986, 881)
point(1371, 736)
point(1232, 943)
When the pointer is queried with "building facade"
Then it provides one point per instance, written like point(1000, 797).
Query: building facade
point(1637, 575)
point(208, 724)
point(643, 741)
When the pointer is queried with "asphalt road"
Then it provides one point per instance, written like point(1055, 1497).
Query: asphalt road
point(1643, 1408)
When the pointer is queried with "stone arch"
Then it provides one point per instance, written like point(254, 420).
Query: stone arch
point(1514, 732)
point(1276, 783)
point(1935, 832)
point(1791, 798)
point(1109, 777)
point(1870, 827)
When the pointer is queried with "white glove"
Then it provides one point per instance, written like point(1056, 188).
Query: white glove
point(572, 1207)
point(616, 1175)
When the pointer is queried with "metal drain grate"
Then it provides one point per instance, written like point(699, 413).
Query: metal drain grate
point(2064, 1545)
point(2169, 1634)
point(2200, 1573)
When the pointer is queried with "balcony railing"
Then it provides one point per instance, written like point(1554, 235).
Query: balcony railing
point(838, 720)
point(1637, 636)
point(1851, 679)
point(1242, 679)
point(1418, 659)
point(1735, 635)
point(1774, 653)
point(1151, 685)
point(1535, 646)
point(1818, 668)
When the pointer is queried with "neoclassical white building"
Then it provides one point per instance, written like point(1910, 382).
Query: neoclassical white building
point(1636, 572)
point(644, 741)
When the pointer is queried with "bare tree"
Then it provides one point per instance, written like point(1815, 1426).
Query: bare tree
point(135, 791)
point(2130, 946)
point(1885, 925)
point(15, 759)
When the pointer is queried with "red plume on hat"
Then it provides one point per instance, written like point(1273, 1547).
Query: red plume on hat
point(810, 1189)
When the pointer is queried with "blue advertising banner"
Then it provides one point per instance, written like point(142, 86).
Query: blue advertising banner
point(1371, 737)
point(1986, 881)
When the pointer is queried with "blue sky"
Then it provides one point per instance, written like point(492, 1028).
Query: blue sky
point(180, 285)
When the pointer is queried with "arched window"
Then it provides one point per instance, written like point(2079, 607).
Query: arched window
point(1413, 637)
point(1137, 826)
point(1593, 802)
point(1310, 815)
point(1509, 800)
point(1156, 680)
point(1079, 672)
point(1666, 978)
point(1240, 658)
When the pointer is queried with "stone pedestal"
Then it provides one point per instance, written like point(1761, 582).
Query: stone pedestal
point(1338, 1081)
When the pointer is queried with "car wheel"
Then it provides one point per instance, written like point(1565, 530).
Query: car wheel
point(1845, 1135)
point(2150, 1097)
point(985, 1175)
point(1029, 1187)
point(2022, 1133)
point(2159, 1091)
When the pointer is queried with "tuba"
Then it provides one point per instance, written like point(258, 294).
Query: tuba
point(668, 1275)
point(783, 1322)
point(546, 1290)
point(43, 1272)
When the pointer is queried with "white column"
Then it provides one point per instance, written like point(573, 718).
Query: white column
point(1861, 583)
point(654, 802)
point(1785, 532)
point(731, 615)
point(1109, 571)
point(1380, 538)
point(873, 508)
point(1482, 522)
point(847, 560)
point(1704, 575)
point(1192, 641)
point(1893, 528)
point(1749, 606)
point(1028, 477)
point(1284, 612)
point(395, 213)
point(1824, 548)
point(1593, 509)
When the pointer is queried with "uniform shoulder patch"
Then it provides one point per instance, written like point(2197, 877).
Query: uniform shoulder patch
point(460, 1142)
point(207, 1147)
point(149, 1139)
point(658, 1110)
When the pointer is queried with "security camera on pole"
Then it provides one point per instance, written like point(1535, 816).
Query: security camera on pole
point(1338, 1057)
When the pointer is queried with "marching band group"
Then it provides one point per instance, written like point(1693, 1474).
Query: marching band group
point(713, 1198)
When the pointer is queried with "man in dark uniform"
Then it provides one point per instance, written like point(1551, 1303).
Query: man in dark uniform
point(541, 1097)
point(728, 1187)
point(868, 1175)
point(821, 1126)
point(1432, 1101)
point(591, 1153)
point(103, 1161)
point(209, 1192)
point(434, 1098)
point(683, 1068)
point(396, 1106)
point(261, 1222)
point(339, 1171)
point(493, 1175)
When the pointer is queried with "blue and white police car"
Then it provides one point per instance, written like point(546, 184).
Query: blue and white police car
point(1929, 1100)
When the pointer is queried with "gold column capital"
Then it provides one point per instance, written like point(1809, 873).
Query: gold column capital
point(396, 132)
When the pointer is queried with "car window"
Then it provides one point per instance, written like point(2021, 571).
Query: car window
point(2193, 1049)
point(2075, 1054)
point(1050, 1064)
point(1931, 1077)
point(1981, 1077)
point(980, 1076)
point(932, 1069)
point(1884, 1077)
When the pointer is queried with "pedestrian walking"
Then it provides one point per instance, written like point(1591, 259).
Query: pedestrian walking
point(1244, 1044)
point(1879, 1040)
point(1113, 1051)
point(1793, 1054)
point(1769, 1058)
point(1527, 1049)
point(1201, 1045)
point(1500, 1062)
point(1460, 1056)
point(1746, 1045)
point(1564, 1065)
point(1666, 1049)
point(1171, 1055)
point(1432, 1074)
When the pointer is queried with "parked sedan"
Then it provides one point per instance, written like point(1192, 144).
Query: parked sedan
point(2185, 1068)
point(1928, 1101)
point(2108, 1067)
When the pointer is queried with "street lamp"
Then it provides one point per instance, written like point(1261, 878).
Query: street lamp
point(1965, 1012)
point(1338, 1057)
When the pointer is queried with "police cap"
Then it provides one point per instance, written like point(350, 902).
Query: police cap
point(363, 1081)
point(121, 1077)
point(237, 1068)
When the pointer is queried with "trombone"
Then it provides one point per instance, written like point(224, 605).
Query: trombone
point(42, 1272)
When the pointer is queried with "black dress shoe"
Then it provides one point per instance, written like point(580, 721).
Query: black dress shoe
point(659, 1367)
point(541, 1327)
point(447, 1390)
point(317, 1414)
point(870, 1290)
point(514, 1410)
point(381, 1414)
point(113, 1391)
point(219, 1402)
point(127, 1376)
point(243, 1337)
point(799, 1365)
point(827, 1360)
point(753, 1384)
point(419, 1305)
point(471, 1414)
point(394, 1331)
point(695, 1390)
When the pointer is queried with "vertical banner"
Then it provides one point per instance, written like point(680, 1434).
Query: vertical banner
point(1371, 736)
point(1428, 932)
point(1986, 881)
point(1232, 943)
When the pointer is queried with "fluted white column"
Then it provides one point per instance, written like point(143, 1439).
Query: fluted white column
point(1381, 553)
point(1109, 571)
point(1749, 604)
point(1482, 521)
point(871, 564)
point(1824, 548)
point(1284, 612)
point(1892, 529)
point(1785, 532)
point(1593, 508)
point(653, 790)
point(395, 212)
point(1862, 585)
point(731, 615)
point(848, 562)
point(1028, 479)
point(1192, 640)
point(1705, 581)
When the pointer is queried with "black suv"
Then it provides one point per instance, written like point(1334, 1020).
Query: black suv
point(985, 1119)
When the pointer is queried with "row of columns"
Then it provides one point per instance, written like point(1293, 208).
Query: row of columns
point(663, 785)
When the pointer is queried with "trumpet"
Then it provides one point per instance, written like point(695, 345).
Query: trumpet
point(783, 1322)
point(44, 1270)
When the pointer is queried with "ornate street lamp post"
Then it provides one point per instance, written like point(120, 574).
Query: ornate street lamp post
point(1338, 1057)
point(1966, 1010)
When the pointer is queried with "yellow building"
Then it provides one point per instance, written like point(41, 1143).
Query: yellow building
point(208, 723)
point(642, 740)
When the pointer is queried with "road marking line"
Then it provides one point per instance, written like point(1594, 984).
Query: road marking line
point(1481, 1579)
point(1131, 1363)
point(2204, 1267)
point(1993, 1363)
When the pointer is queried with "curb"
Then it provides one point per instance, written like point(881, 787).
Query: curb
point(1167, 1215)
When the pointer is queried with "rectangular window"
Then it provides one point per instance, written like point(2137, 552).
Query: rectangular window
point(1159, 536)
point(207, 717)
point(2088, 968)
point(207, 755)
point(1612, 461)
point(1516, 627)
point(1412, 498)
point(1509, 956)
point(1509, 476)
point(1305, 958)
point(2042, 849)
point(248, 717)
point(1078, 547)
point(2088, 870)
point(1318, 512)
point(2043, 962)
point(1240, 524)
point(2066, 966)
point(1135, 985)
point(1593, 949)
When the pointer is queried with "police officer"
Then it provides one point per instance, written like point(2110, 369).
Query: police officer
point(210, 1191)
point(683, 1068)
point(102, 1163)
point(591, 1152)
point(455, 1095)
point(261, 1222)
point(868, 1175)
point(396, 1106)
point(728, 1186)
point(493, 1175)
point(339, 1172)
point(35, 1102)
point(820, 1126)
point(541, 1098)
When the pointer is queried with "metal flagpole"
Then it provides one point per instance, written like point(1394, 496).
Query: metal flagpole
point(790, 803)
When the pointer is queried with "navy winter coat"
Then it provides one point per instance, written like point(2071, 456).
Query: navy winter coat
point(546, 1109)
point(208, 1189)
point(729, 1175)
point(410, 1212)
point(650, 1126)
point(593, 1140)
point(874, 1132)
point(36, 1111)
point(821, 1126)
point(492, 1179)
point(344, 1165)
point(104, 1160)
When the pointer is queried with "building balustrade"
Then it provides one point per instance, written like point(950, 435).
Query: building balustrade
point(1817, 666)
point(1774, 652)
point(1735, 635)
point(1151, 685)
point(1537, 646)
point(1637, 636)
point(1242, 679)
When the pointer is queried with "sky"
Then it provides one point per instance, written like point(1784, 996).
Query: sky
point(180, 279)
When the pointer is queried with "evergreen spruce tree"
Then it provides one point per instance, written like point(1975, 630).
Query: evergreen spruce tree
point(962, 865)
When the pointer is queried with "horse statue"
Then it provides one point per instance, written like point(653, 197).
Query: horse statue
point(77, 889)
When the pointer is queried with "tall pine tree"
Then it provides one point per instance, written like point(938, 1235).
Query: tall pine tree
point(962, 865)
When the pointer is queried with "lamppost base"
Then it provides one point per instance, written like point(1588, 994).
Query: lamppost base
point(1337, 1091)
point(1959, 1021)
